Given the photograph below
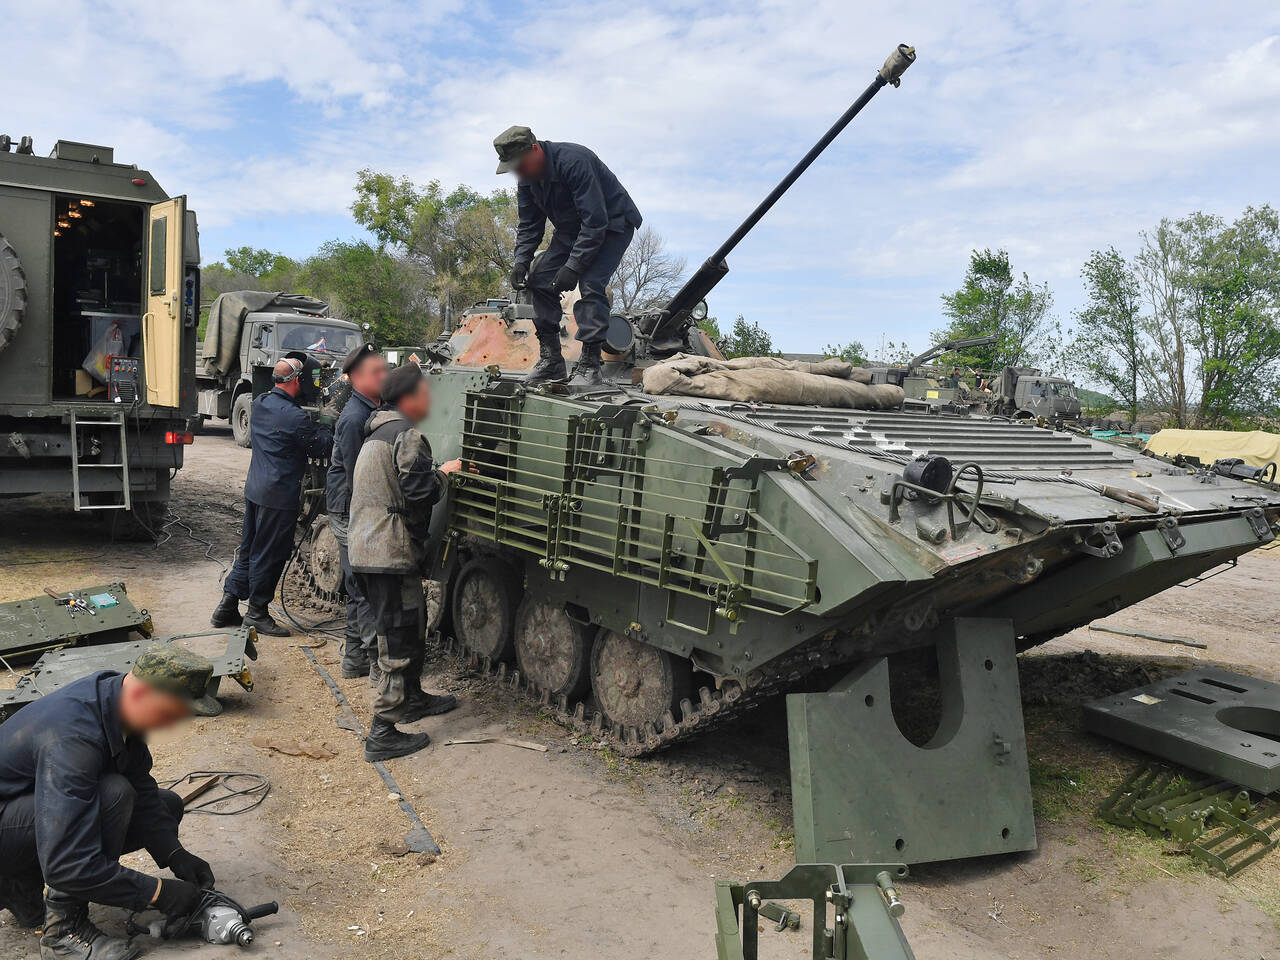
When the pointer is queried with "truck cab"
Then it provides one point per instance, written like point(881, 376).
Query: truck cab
point(1029, 394)
point(99, 295)
point(248, 333)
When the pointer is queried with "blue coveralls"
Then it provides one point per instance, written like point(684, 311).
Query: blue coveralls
point(594, 220)
point(283, 436)
point(348, 437)
point(76, 793)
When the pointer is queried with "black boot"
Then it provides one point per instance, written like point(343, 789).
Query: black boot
point(69, 934)
point(24, 900)
point(587, 373)
point(422, 704)
point(385, 742)
point(259, 617)
point(355, 659)
point(227, 612)
point(550, 365)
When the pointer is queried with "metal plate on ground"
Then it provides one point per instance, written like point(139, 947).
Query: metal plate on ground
point(226, 649)
point(1210, 720)
point(103, 614)
point(861, 791)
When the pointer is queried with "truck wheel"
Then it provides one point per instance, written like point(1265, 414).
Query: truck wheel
point(13, 292)
point(240, 413)
point(637, 683)
point(483, 607)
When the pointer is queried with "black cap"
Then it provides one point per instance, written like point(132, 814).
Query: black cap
point(401, 382)
point(355, 356)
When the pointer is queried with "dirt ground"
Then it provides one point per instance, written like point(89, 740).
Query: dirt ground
point(578, 853)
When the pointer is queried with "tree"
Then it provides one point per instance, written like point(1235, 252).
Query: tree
point(462, 242)
point(852, 352)
point(747, 340)
point(365, 284)
point(1164, 367)
point(256, 262)
point(1108, 349)
point(991, 300)
point(648, 275)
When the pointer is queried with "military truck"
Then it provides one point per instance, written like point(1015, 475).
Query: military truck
point(1028, 394)
point(248, 332)
point(99, 302)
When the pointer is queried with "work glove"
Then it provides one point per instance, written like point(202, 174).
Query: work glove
point(566, 279)
point(519, 276)
point(177, 900)
point(187, 866)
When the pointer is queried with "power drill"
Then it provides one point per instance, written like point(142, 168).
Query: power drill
point(218, 919)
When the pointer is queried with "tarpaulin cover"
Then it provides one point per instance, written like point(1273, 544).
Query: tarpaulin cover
point(827, 383)
point(1257, 448)
point(220, 356)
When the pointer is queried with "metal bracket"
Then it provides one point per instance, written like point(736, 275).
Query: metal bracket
point(1168, 527)
point(855, 911)
point(1258, 520)
point(863, 791)
point(1111, 545)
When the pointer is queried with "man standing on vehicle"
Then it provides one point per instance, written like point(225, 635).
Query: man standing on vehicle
point(396, 486)
point(594, 220)
point(76, 792)
point(284, 436)
point(365, 369)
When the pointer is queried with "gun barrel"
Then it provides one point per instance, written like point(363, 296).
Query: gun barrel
point(715, 267)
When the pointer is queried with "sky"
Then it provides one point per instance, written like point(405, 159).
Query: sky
point(1047, 128)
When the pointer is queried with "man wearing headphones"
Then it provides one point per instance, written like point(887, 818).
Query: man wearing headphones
point(283, 437)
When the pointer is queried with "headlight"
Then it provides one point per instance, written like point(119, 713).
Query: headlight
point(699, 311)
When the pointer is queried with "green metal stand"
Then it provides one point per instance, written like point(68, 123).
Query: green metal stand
point(855, 911)
point(862, 792)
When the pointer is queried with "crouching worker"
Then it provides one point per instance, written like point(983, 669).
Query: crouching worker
point(76, 793)
point(393, 491)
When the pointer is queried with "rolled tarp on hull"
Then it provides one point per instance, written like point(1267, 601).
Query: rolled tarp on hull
point(1257, 448)
point(829, 383)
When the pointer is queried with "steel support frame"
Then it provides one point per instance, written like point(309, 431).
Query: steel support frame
point(862, 792)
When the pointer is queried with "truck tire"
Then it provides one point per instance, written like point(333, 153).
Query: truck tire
point(240, 414)
point(13, 292)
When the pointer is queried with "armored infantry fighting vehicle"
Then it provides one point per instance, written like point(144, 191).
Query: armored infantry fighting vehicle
point(99, 300)
point(649, 564)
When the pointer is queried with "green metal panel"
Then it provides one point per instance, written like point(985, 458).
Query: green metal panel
point(26, 221)
point(44, 623)
point(862, 791)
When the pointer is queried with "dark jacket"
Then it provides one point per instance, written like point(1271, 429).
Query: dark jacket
point(283, 436)
point(348, 438)
point(59, 748)
point(580, 196)
point(395, 488)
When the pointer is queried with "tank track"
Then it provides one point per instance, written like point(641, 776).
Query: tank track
point(712, 707)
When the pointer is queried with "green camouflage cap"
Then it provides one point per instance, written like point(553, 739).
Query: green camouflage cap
point(175, 670)
point(512, 144)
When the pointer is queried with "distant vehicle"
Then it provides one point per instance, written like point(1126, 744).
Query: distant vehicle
point(248, 333)
point(99, 303)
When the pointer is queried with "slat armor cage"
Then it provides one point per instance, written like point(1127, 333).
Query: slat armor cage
point(614, 488)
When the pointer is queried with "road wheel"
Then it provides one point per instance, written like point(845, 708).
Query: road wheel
point(552, 651)
point(240, 413)
point(324, 561)
point(484, 604)
point(636, 683)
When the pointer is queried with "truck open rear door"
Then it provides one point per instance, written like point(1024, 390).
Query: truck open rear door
point(162, 323)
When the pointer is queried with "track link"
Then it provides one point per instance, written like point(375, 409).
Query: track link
point(733, 697)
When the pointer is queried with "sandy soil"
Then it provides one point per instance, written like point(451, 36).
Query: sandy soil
point(578, 853)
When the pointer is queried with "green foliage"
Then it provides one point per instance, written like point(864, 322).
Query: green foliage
point(365, 284)
point(1108, 349)
point(993, 300)
point(747, 340)
point(256, 262)
point(852, 352)
point(711, 327)
point(462, 241)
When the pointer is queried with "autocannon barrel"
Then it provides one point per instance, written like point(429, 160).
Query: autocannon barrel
point(715, 267)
